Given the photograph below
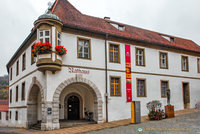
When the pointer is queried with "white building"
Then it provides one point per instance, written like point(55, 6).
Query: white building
point(92, 76)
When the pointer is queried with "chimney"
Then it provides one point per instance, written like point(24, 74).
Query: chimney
point(106, 18)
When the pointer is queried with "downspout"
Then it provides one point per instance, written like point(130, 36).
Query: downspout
point(106, 80)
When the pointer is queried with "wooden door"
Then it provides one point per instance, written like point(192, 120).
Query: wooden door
point(73, 108)
point(186, 95)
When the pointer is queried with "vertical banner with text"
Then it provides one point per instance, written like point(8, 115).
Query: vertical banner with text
point(128, 73)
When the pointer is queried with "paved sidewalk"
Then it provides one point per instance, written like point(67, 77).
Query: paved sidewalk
point(87, 128)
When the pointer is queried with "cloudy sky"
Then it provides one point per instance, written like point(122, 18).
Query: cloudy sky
point(174, 17)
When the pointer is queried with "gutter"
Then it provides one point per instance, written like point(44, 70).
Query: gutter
point(106, 77)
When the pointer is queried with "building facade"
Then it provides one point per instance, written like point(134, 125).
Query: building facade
point(92, 76)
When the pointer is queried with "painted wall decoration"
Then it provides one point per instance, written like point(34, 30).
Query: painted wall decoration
point(128, 73)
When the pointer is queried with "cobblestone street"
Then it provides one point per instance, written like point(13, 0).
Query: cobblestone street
point(185, 122)
point(182, 124)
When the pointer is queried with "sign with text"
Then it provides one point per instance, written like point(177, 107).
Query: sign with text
point(78, 71)
point(128, 73)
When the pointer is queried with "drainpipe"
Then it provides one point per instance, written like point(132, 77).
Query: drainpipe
point(106, 80)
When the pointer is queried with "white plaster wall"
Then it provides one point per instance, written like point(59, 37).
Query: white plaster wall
point(21, 122)
point(3, 121)
point(117, 107)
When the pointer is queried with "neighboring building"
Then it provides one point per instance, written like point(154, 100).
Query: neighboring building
point(92, 76)
point(4, 115)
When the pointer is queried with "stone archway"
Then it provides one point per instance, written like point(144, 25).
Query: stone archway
point(35, 103)
point(98, 113)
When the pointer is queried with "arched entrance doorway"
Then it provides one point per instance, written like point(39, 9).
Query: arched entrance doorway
point(90, 94)
point(34, 109)
point(73, 107)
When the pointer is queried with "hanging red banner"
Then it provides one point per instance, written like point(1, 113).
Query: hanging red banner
point(128, 73)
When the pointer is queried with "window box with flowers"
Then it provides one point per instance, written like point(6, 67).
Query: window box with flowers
point(60, 51)
point(46, 60)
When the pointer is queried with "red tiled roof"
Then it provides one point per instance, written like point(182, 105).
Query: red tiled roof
point(72, 17)
point(3, 105)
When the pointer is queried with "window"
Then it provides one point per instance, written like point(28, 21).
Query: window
point(11, 73)
point(171, 39)
point(164, 87)
point(84, 48)
point(7, 115)
point(141, 87)
point(198, 65)
point(163, 60)
point(115, 87)
point(185, 66)
point(23, 61)
point(23, 91)
point(10, 114)
point(140, 57)
point(121, 28)
point(59, 38)
point(114, 53)
point(44, 36)
point(17, 68)
point(10, 95)
point(16, 93)
point(16, 115)
point(32, 57)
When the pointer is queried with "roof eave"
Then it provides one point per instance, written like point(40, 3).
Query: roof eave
point(122, 37)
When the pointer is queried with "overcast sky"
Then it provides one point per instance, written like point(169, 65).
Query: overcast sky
point(174, 17)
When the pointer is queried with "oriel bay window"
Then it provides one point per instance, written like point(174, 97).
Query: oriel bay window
point(44, 36)
point(114, 53)
point(185, 64)
point(115, 86)
point(84, 48)
point(140, 56)
point(163, 60)
point(164, 87)
point(141, 87)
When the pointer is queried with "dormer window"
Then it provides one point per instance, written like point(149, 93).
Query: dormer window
point(121, 28)
point(171, 39)
point(59, 39)
point(44, 36)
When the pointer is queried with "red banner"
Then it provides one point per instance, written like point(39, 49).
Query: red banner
point(128, 73)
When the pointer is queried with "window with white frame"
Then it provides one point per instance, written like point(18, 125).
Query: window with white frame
point(44, 36)
point(163, 60)
point(141, 88)
point(164, 87)
point(83, 48)
point(58, 39)
point(140, 61)
point(185, 66)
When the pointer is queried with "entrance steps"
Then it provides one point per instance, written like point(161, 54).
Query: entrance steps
point(72, 123)
point(36, 126)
